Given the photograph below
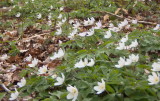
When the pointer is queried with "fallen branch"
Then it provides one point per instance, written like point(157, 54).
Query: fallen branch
point(36, 35)
point(104, 12)
point(121, 17)
point(145, 22)
point(5, 9)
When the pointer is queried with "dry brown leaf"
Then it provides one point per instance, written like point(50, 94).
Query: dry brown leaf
point(54, 64)
point(117, 11)
point(34, 52)
point(14, 59)
point(125, 11)
point(106, 17)
point(138, 17)
point(8, 78)
point(51, 48)
point(15, 76)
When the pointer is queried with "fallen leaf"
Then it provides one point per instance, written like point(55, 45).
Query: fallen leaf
point(125, 11)
point(106, 17)
point(117, 11)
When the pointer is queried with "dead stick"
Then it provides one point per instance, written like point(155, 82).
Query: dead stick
point(29, 38)
point(104, 12)
point(121, 17)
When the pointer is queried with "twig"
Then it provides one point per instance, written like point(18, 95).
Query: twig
point(121, 17)
point(145, 22)
point(104, 12)
point(29, 38)
point(5, 9)
point(5, 88)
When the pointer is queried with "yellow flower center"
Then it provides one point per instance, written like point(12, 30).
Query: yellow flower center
point(44, 70)
point(74, 90)
point(101, 87)
point(157, 79)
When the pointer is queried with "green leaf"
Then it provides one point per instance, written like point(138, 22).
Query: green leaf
point(109, 89)
point(23, 73)
point(2, 95)
point(59, 94)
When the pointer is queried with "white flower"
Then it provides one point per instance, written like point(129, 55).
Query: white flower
point(64, 20)
point(128, 62)
point(18, 14)
point(153, 79)
point(89, 21)
point(54, 76)
point(72, 34)
point(122, 24)
point(73, 93)
point(49, 16)
point(83, 34)
point(90, 32)
point(59, 54)
point(22, 82)
point(43, 69)
point(98, 25)
point(74, 31)
point(59, 31)
point(127, 47)
point(12, 69)
point(76, 25)
point(14, 95)
point(124, 39)
point(121, 63)
point(61, 8)
point(111, 25)
point(101, 87)
point(59, 24)
point(34, 63)
point(134, 58)
point(81, 63)
point(39, 16)
point(134, 21)
point(4, 57)
point(157, 27)
point(49, 23)
point(60, 16)
point(121, 46)
point(60, 80)
point(60, 42)
point(71, 21)
point(51, 7)
point(91, 63)
point(108, 34)
point(28, 59)
point(134, 44)
point(114, 29)
point(156, 66)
